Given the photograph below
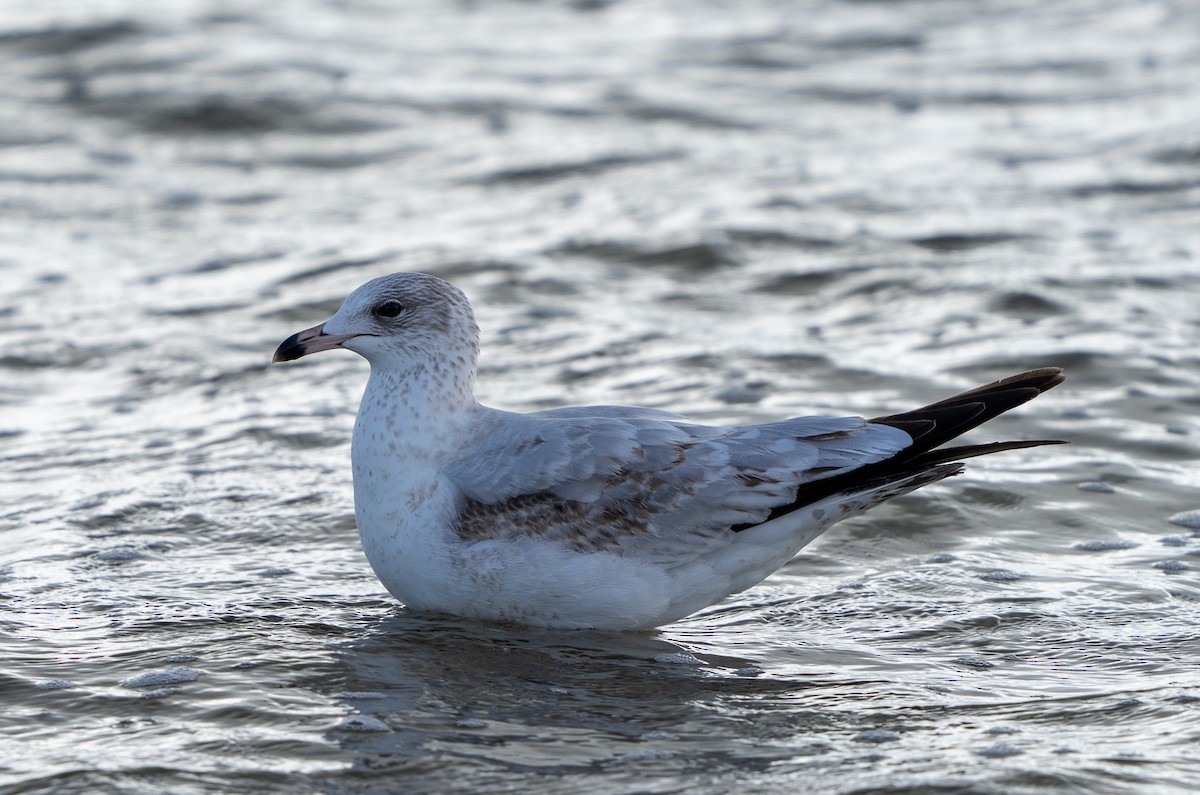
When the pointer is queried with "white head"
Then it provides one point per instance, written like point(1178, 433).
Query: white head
point(404, 322)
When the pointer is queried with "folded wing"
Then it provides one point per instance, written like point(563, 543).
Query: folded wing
point(614, 480)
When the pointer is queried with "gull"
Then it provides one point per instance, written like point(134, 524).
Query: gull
point(598, 517)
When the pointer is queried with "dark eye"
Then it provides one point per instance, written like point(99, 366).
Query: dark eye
point(389, 309)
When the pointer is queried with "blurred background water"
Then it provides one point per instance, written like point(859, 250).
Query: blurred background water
point(739, 211)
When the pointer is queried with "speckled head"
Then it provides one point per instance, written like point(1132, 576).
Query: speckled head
point(397, 322)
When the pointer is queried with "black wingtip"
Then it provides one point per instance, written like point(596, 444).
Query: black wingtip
point(932, 426)
point(959, 413)
point(1039, 380)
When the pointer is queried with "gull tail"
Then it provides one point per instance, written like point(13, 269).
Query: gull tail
point(925, 460)
point(932, 426)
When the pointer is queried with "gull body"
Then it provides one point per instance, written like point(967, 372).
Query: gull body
point(603, 517)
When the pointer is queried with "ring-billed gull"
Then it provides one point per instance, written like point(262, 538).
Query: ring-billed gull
point(604, 517)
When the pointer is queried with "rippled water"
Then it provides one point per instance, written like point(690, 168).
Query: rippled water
point(845, 207)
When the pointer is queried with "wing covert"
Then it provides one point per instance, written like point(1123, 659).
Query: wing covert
point(613, 483)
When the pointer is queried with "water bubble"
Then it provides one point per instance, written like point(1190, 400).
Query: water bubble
point(54, 684)
point(1172, 565)
point(678, 658)
point(159, 692)
point(164, 676)
point(1000, 575)
point(1189, 519)
point(363, 723)
point(1105, 546)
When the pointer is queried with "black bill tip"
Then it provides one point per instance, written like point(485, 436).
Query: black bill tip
point(290, 349)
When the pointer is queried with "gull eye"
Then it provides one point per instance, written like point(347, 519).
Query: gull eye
point(388, 309)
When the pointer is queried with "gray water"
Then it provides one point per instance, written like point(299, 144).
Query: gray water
point(742, 213)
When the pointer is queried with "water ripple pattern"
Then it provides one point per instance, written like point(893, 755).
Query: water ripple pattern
point(741, 211)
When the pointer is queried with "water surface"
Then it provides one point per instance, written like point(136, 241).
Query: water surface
point(828, 206)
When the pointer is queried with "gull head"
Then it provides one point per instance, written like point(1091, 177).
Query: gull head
point(398, 321)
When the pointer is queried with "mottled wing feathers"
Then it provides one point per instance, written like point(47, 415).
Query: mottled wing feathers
point(619, 479)
point(613, 483)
